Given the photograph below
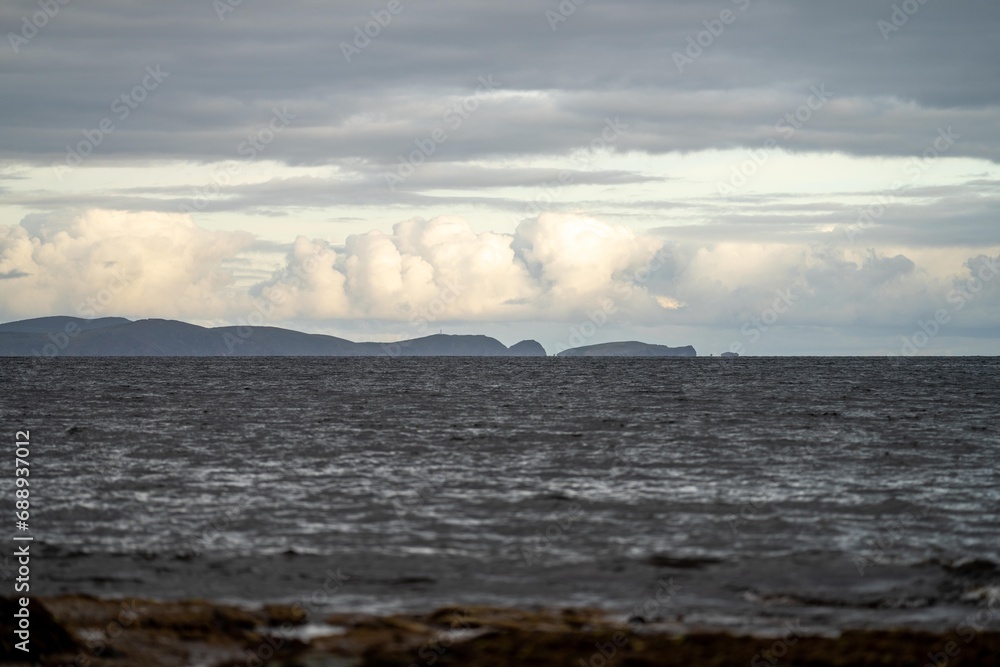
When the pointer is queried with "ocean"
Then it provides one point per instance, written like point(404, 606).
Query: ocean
point(718, 493)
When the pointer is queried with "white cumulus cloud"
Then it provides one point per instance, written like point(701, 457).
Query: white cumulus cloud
point(110, 262)
point(556, 268)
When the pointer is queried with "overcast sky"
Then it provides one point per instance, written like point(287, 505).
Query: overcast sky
point(768, 177)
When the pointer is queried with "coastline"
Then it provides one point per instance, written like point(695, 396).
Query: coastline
point(92, 632)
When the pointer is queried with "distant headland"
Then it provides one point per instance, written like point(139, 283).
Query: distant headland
point(630, 348)
point(120, 337)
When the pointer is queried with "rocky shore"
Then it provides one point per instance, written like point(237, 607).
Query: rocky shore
point(91, 632)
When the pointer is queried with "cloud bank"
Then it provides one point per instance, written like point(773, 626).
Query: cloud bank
point(555, 268)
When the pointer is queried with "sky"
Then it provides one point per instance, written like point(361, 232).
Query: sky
point(761, 177)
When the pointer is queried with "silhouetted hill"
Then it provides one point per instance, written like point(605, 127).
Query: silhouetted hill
point(119, 337)
point(115, 336)
point(527, 348)
point(439, 345)
point(59, 323)
point(630, 348)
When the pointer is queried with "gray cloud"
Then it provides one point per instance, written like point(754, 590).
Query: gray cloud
point(608, 58)
point(12, 274)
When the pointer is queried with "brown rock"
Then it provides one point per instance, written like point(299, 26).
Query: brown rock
point(46, 636)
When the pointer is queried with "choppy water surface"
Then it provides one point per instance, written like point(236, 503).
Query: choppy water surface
point(841, 492)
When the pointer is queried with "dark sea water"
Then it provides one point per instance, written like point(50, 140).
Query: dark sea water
point(839, 492)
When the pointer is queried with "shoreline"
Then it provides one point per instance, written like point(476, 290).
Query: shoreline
point(92, 632)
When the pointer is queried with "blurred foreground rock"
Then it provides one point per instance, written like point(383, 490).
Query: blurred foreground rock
point(90, 632)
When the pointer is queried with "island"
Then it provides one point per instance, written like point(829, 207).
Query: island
point(120, 337)
point(630, 348)
point(61, 335)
